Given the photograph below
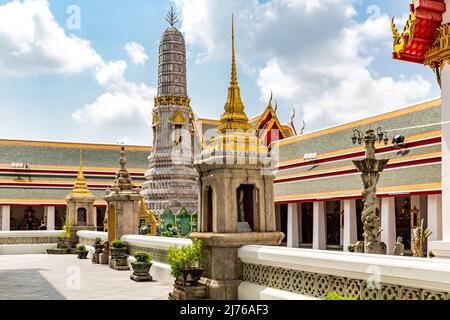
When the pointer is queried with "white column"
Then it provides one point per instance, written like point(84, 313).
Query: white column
point(50, 217)
point(435, 217)
point(292, 226)
point(445, 111)
point(389, 233)
point(350, 226)
point(6, 218)
point(319, 226)
point(442, 248)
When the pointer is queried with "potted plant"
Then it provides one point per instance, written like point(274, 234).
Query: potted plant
point(81, 251)
point(141, 266)
point(98, 245)
point(118, 250)
point(64, 238)
point(185, 263)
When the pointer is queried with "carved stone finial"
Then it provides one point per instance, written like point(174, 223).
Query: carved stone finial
point(123, 178)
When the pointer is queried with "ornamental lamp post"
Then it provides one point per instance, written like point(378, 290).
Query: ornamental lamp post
point(370, 169)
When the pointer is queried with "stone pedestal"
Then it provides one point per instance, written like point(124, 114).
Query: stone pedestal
point(95, 258)
point(188, 293)
point(119, 264)
point(223, 268)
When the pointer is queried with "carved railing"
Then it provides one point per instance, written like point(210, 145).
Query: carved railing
point(314, 273)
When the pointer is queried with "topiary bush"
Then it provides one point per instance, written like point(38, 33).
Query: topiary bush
point(118, 244)
point(98, 241)
point(143, 257)
point(81, 247)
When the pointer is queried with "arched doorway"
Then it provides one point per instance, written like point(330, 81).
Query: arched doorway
point(245, 205)
point(111, 224)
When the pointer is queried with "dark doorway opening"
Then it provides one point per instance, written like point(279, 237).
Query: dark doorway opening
point(307, 222)
point(81, 216)
point(283, 219)
point(209, 210)
point(333, 223)
point(245, 204)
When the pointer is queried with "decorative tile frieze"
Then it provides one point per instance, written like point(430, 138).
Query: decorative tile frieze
point(157, 254)
point(27, 240)
point(318, 285)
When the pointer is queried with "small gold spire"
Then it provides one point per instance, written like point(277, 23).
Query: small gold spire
point(234, 116)
point(80, 188)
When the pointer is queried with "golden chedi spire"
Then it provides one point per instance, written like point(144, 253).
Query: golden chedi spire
point(80, 189)
point(234, 116)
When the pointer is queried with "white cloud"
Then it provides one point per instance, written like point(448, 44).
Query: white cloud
point(136, 53)
point(312, 54)
point(124, 102)
point(32, 42)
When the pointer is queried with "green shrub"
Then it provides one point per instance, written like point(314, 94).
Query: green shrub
point(81, 247)
point(142, 257)
point(98, 241)
point(337, 296)
point(351, 248)
point(118, 244)
point(431, 254)
point(184, 257)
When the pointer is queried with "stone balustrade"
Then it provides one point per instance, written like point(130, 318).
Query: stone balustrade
point(285, 273)
point(28, 242)
point(88, 238)
point(156, 246)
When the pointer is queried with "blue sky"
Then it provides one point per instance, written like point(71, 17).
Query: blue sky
point(328, 59)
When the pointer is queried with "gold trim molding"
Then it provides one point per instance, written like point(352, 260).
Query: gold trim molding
point(172, 101)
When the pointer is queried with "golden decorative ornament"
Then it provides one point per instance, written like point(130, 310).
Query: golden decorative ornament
point(80, 188)
point(234, 116)
point(439, 52)
point(178, 117)
point(403, 40)
point(172, 100)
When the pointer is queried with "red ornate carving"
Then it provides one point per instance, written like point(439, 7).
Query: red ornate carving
point(428, 16)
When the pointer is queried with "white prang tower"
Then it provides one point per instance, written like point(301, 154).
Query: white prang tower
point(172, 180)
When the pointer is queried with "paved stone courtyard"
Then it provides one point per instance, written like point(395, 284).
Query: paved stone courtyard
point(53, 277)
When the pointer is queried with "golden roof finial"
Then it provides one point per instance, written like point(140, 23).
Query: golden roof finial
point(80, 188)
point(234, 116)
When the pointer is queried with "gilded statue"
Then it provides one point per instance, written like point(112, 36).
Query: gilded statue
point(419, 237)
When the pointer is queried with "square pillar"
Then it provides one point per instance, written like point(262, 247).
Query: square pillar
point(50, 213)
point(6, 218)
point(292, 226)
point(389, 233)
point(319, 226)
point(435, 217)
point(350, 225)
